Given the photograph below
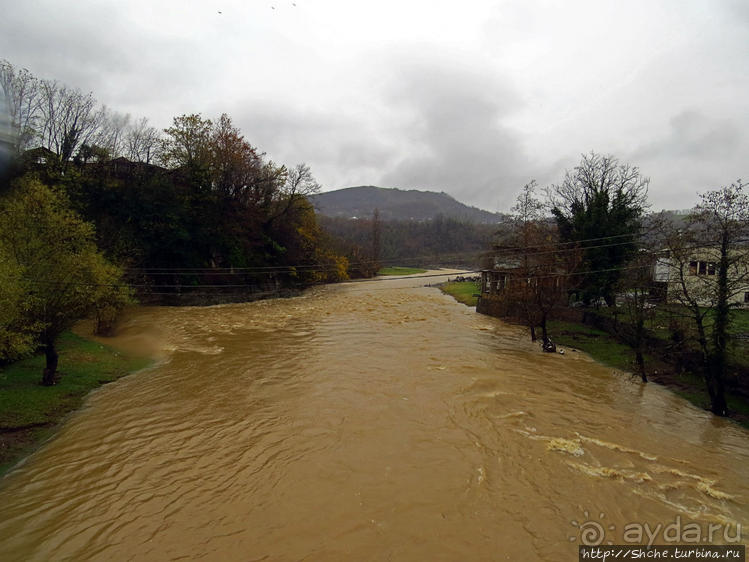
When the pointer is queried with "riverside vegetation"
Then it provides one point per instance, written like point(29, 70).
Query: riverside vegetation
point(30, 413)
point(611, 349)
point(601, 248)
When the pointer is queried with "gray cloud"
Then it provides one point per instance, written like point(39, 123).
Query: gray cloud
point(473, 101)
point(694, 154)
point(342, 149)
point(694, 135)
point(456, 139)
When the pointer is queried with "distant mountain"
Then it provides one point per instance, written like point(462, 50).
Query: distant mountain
point(398, 204)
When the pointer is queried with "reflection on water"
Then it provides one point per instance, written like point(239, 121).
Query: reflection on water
point(377, 420)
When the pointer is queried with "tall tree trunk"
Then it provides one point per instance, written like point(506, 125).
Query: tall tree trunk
point(720, 329)
point(376, 239)
point(641, 364)
point(716, 389)
point(713, 368)
point(49, 375)
point(639, 339)
point(544, 331)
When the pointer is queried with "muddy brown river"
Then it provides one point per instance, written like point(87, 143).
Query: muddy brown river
point(368, 421)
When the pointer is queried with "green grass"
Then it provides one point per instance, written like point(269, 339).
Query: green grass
point(400, 271)
point(462, 291)
point(601, 346)
point(29, 412)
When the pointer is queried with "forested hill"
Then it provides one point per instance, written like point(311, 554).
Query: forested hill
point(397, 204)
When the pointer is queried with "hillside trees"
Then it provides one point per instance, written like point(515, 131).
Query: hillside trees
point(442, 241)
point(600, 202)
point(59, 275)
point(220, 205)
point(68, 119)
point(215, 203)
point(64, 120)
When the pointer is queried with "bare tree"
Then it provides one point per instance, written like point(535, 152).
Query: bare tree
point(300, 182)
point(142, 142)
point(526, 216)
point(68, 119)
point(22, 93)
point(635, 284)
point(540, 277)
point(709, 275)
point(112, 131)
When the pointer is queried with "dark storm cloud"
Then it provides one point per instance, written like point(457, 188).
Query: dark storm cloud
point(456, 139)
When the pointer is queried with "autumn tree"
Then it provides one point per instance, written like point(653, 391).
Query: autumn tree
point(187, 142)
point(61, 274)
point(600, 204)
point(709, 276)
point(235, 164)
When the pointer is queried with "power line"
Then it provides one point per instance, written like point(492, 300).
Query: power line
point(554, 248)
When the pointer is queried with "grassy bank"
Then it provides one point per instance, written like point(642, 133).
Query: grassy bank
point(29, 412)
point(462, 291)
point(600, 345)
point(607, 349)
point(400, 271)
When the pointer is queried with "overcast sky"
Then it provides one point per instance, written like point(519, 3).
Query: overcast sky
point(472, 98)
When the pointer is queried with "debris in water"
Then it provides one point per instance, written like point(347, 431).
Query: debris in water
point(571, 446)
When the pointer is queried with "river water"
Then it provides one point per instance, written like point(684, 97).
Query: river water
point(367, 421)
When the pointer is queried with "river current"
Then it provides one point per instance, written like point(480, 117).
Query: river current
point(378, 420)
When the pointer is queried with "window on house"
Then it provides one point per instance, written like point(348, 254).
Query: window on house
point(746, 297)
point(711, 268)
point(703, 268)
point(692, 268)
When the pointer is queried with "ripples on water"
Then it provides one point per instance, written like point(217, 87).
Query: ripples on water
point(365, 421)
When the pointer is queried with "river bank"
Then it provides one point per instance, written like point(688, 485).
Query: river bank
point(31, 413)
point(608, 349)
